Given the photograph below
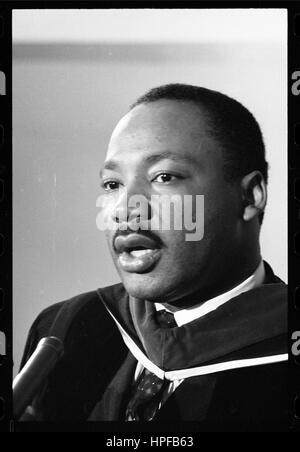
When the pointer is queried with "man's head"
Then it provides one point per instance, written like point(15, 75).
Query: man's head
point(185, 140)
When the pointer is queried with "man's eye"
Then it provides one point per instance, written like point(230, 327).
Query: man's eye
point(110, 185)
point(164, 178)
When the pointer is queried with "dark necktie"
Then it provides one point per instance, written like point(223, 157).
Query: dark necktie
point(148, 389)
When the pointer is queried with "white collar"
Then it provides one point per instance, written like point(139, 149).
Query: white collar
point(184, 316)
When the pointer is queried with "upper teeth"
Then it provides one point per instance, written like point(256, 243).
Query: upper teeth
point(138, 253)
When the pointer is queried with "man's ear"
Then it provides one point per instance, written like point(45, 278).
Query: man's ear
point(254, 195)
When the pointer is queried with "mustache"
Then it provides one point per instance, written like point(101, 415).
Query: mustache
point(144, 233)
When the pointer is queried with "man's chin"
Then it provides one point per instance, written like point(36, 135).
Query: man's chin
point(143, 287)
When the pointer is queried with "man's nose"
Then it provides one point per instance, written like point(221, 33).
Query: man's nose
point(130, 206)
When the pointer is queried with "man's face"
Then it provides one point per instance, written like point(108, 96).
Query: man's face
point(163, 148)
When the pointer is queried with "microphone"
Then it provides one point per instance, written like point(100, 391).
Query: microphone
point(34, 373)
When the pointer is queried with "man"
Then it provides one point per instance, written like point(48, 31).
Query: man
point(197, 329)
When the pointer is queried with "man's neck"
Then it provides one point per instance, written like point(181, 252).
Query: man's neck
point(199, 297)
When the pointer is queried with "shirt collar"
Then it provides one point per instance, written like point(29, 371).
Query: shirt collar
point(185, 316)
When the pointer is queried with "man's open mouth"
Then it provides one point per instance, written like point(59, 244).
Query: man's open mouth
point(137, 253)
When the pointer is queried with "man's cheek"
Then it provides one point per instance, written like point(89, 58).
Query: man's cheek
point(179, 213)
point(194, 218)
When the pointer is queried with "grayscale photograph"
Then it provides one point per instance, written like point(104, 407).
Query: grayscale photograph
point(150, 217)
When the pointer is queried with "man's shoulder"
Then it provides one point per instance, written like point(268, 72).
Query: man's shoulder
point(84, 312)
point(74, 305)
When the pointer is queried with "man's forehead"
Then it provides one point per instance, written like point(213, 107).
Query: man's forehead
point(149, 159)
point(163, 114)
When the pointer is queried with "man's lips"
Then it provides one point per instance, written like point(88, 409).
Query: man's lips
point(137, 253)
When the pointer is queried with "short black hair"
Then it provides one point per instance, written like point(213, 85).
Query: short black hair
point(229, 122)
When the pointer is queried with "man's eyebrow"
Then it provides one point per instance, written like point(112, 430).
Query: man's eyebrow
point(151, 159)
point(109, 165)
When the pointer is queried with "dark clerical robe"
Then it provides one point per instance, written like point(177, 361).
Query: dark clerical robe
point(233, 361)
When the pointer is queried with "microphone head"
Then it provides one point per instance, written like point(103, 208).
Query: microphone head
point(53, 342)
